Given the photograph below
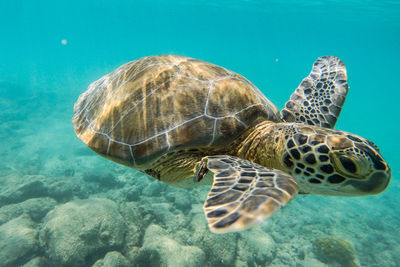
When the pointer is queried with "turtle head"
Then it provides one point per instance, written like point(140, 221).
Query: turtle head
point(331, 162)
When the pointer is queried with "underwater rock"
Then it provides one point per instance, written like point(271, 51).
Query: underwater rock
point(18, 241)
point(220, 250)
point(160, 250)
point(285, 256)
point(180, 198)
point(28, 186)
point(103, 180)
point(137, 178)
point(165, 214)
point(36, 208)
point(134, 184)
point(132, 253)
point(112, 259)
point(65, 189)
point(136, 222)
point(37, 262)
point(310, 261)
point(331, 250)
point(155, 189)
point(129, 193)
point(256, 246)
point(79, 232)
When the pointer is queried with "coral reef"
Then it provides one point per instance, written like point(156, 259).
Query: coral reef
point(259, 243)
point(18, 241)
point(36, 208)
point(112, 259)
point(160, 250)
point(332, 250)
point(81, 231)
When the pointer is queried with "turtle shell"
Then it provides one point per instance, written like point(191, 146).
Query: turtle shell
point(163, 103)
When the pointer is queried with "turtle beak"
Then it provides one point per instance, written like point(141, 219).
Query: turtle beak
point(376, 183)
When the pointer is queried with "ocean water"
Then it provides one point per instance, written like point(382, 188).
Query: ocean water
point(63, 205)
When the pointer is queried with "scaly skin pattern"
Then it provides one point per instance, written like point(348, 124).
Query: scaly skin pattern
point(323, 161)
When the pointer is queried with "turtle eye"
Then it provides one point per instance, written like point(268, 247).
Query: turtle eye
point(348, 164)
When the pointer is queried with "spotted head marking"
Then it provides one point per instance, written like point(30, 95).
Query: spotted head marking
point(332, 162)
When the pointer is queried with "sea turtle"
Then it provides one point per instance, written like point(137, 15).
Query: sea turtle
point(174, 118)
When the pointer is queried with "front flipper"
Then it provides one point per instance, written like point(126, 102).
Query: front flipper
point(243, 193)
point(320, 97)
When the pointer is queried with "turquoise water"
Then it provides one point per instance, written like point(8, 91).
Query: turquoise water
point(61, 204)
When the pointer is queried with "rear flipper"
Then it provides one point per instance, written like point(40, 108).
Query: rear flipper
point(243, 193)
